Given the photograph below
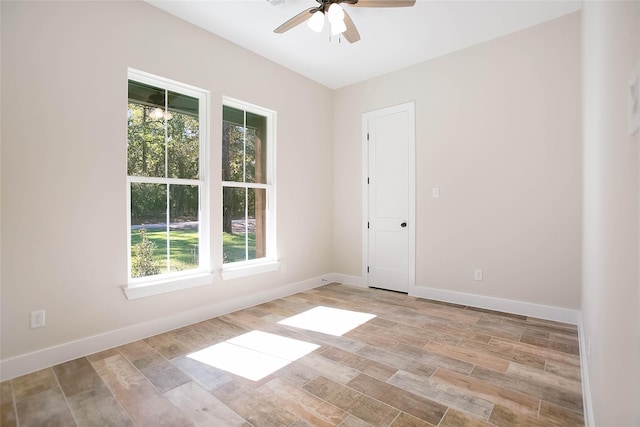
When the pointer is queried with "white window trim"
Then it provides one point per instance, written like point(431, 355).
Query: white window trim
point(169, 284)
point(248, 268)
point(270, 262)
point(172, 281)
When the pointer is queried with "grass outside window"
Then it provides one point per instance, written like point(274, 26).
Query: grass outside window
point(184, 247)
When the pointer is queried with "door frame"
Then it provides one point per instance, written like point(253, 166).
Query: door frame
point(409, 107)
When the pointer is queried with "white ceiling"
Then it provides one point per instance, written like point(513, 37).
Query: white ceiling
point(392, 38)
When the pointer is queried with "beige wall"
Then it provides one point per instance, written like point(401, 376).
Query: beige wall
point(498, 130)
point(64, 73)
point(610, 309)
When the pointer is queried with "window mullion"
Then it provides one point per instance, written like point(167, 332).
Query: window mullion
point(154, 180)
point(246, 223)
point(246, 191)
point(245, 185)
point(166, 134)
point(166, 175)
point(244, 147)
point(168, 232)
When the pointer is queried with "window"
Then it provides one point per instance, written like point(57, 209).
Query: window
point(248, 192)
point(167, 180)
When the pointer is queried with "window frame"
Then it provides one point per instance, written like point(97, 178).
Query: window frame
point(165, 282)
point(270, 261)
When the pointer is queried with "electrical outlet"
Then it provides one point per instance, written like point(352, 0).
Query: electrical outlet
point(477, 275)
point(37, 319)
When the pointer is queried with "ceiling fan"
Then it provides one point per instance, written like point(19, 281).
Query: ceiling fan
point(339, 19)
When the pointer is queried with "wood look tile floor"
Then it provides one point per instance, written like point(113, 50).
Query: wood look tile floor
point(416, 363)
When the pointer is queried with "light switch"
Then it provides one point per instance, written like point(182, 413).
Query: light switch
point(435, 192)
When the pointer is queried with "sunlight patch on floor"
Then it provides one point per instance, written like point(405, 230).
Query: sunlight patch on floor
point(254, 355)
point(332, 321)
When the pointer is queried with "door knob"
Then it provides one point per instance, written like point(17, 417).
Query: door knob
point(404, 224)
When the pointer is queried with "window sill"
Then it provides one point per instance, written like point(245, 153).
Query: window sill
point(245, 270)
point(162, 286)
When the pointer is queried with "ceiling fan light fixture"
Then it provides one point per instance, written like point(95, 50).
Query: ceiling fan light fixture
point(335, 14)
point(341, 22)
point(338, 28)
point(316, 22)
point(157, 113)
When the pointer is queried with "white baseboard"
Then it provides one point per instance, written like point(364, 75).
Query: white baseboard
point(31, 362)
point(558, 314)
point(345, 279)
point(547, 312)
point(589, 420)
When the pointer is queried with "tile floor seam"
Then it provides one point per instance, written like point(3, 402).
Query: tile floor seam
point(15, 404)
point(443, 416)
point(64, 396)
point(122, 405)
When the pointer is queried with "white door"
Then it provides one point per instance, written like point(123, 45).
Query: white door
point(389, 138)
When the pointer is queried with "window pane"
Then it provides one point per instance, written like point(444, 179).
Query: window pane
point(243, 146)
point(257, 214)
point(232, 152)
point(146, 136)
point(244, 230)
point(256, 149)
point(183, 227)
point(183, 136)
point(148, 229)
point(235, 226)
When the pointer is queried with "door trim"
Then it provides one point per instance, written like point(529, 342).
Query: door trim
point(409, 107)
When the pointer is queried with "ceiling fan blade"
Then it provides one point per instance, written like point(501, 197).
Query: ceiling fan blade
point(296, 20)
point(351, 35)
point(383, 3)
